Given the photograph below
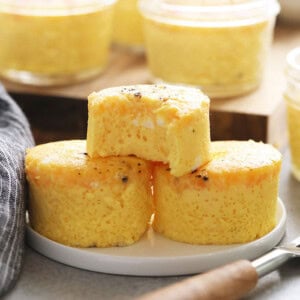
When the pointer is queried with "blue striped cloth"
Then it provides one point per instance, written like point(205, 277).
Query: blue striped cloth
point(15, 137)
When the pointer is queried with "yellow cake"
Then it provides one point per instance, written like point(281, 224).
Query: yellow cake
point(128, 29)
point(86, 202)
point(54, 42)
point(232, 199)
point(155, 122)
point(220, 46)
point(293, 122)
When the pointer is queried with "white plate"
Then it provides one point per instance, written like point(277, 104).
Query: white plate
point(155, 255)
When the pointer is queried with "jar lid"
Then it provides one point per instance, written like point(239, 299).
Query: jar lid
point(293, 63)
point(52, 7)
point(209, 12)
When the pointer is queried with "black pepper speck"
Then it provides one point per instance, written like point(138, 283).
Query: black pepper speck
point(138, 95)
point(163, 99)
point(124, 179)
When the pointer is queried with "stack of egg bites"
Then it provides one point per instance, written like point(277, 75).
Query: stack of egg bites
point(148, 151)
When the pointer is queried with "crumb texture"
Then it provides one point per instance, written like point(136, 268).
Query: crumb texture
point(84, 202)
point(232, 199)
point(155, 122)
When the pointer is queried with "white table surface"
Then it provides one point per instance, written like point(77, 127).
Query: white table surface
point(43, 278)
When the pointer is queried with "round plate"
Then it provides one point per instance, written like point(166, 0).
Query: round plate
point(155, 255)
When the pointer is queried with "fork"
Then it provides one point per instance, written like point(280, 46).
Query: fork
point(228, 282)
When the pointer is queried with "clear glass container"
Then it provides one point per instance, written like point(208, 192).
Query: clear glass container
point(292, 100)
point(128, 31)
point(54, 42)
point(217, 45)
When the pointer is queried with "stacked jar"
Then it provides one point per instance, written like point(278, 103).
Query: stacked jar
point(292, 98)
point(219, 46)
point(54, 42)
point(128, 31)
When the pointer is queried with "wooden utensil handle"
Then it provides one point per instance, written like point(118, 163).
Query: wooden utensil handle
point(231, 281)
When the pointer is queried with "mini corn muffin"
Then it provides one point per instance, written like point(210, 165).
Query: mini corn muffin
point(155, 122)
point(84, 202)
point(232, 199)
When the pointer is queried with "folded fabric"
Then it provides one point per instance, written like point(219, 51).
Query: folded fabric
point(15, 137)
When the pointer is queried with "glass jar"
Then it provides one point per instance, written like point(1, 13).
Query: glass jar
point(54, 42)
point(128, 25)
point(292, 100)
point(219, 46)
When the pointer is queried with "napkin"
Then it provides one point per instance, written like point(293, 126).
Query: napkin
point(15, 137)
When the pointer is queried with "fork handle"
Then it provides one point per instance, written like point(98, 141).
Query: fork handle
point(231, 281)
point(271, 261)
